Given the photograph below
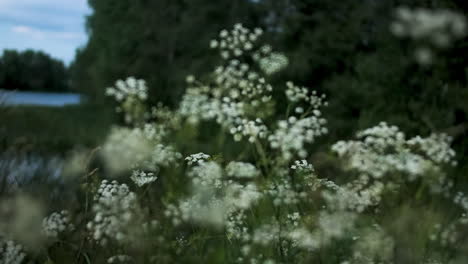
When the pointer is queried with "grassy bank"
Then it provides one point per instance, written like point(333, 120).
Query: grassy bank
point(53, 129)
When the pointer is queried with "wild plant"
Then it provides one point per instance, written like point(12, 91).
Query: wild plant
point(227, 178)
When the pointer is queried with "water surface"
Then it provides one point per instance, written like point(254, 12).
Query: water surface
point(39, 98)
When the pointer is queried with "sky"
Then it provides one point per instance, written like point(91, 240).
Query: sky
point(56, 27)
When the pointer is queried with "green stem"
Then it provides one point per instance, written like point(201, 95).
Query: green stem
point(263, 157)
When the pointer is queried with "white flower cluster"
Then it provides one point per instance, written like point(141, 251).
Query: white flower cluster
point(130, 94)
point(197, 158)
point(125, 148)
point(450, 234)
point(241, 196)
point(199, 107)
point(164, 121)
point(201, 208)
point(119, 259)
point(164, 115)
point(207, 174)
point(329, 226)
point(384, 149)
point(302, 238)
point(292, 135)
point(273, 63)
point(237, 91)
point(441, 26)
point(436, 147)
point(241, 170)
point(236, 227)
point(433, 261)
point(139, 149)
point(436, 28)
point(216, 197)
point(227, 112)
point(302, 166)
point(115, 211)
point(462, 201)
point(266, 234)
point(284, 193)
point(380, 153)
point(253, 130)
point(239, 81)
point(162, 156)
point(141, 178)
point(237, 41)
point(11, 253)
point(57, 223)
point(130, 88)
point(296, 94)
point(154, 132)
point(333, 225)
point(294, 219)
point(355, 196)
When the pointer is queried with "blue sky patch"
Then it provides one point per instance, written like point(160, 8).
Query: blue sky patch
point(54, 26)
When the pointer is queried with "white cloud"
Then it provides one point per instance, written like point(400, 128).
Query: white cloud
point(55, 26)
point(42, 34)
point(79, 5)
point(28, 31)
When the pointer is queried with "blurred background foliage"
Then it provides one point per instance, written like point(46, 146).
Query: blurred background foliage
point(344, 49)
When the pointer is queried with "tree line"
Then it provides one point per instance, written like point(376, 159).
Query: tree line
point(32, 71)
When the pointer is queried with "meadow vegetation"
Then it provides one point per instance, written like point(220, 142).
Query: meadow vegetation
point(246, 168)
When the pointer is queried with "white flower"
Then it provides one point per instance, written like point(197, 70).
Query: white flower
point(224, 33)
point(190, 79)
point(125, 148)
point(116, 211)
point(141, 178)
point(197, 158)
point(11, 253)
point(292, 135)
point(302, 165)
point(273, 63)
point(383, 149)
point(214, 44)
point(56, 223)
point(131, 87)
point(241, 170)
point(119, 259)
point(207, 174)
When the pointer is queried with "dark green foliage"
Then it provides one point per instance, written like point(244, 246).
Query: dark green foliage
point(346, 50)
point(48, 130)
point(32, 71)
point(159, 41)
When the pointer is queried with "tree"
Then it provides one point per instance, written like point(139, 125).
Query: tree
point(32, 71)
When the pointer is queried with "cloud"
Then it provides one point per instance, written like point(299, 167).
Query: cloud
point(37, 34)
point(43, 34)
point(54, 26)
